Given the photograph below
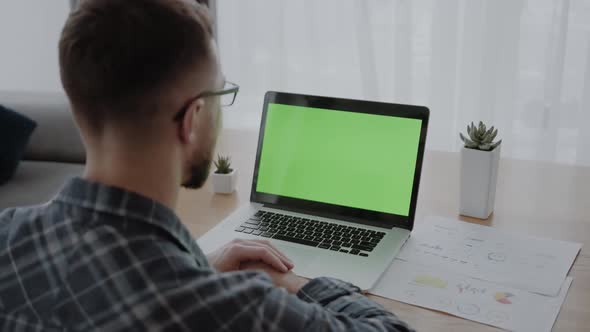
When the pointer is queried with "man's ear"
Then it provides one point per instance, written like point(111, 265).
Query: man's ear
point(188, 123)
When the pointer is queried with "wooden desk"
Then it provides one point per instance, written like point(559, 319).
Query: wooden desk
point(535, 198)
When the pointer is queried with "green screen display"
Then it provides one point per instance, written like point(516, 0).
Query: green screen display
point(344, 158)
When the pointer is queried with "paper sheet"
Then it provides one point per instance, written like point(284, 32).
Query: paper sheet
point(523, 262)
point(469, 298)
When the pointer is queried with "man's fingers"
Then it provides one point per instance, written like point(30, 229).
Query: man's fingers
point(267, 244)
point(254, 253)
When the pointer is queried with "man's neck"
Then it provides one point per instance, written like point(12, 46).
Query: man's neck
point(150, 176)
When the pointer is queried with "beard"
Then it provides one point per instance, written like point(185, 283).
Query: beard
point(199, 172)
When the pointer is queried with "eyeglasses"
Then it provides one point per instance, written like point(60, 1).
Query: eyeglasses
point(227, 97)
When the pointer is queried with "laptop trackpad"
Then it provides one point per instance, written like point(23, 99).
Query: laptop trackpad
point(302, 257)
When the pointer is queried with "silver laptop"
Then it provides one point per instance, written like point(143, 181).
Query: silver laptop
point(335, 184)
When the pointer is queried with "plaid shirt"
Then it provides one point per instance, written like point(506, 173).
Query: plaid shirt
point(102, 258)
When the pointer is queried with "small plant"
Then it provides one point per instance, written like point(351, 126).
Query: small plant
point(223, 165)
point(480, 138)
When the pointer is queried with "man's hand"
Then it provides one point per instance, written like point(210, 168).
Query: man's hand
point(231, 256)
point(288, 280)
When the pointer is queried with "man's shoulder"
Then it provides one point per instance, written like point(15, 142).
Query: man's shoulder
point(60, 236)
point(37, 238)
point(33, 244)
point(137, 242)
point(22, 224)
point(22, 212)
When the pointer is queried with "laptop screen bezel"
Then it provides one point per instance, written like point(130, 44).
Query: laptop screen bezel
point(374, 218)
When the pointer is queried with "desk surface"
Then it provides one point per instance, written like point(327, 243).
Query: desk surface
point(535, 198)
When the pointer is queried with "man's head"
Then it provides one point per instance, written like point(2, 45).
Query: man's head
point(128, 67)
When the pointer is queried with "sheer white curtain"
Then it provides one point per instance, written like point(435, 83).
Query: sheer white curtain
point(523, 66)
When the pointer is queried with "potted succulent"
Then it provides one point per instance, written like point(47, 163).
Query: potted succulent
point(224, 178)
point(480, 157)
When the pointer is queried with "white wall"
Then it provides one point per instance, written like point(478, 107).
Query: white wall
point(29, 33)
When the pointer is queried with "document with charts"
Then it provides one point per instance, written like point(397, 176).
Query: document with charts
point(518, 261)
point(481, 301)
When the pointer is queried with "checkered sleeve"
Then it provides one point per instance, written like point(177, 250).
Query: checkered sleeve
point(346, 308)
point(122, 283)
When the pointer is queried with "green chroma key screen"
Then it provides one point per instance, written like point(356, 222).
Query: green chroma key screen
point(344, 158)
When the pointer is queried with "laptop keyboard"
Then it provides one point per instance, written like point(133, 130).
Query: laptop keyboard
point(314, 233)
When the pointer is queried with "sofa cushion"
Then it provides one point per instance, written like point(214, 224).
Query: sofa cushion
point(36, 182)
point(56, 137)
point(15, 130)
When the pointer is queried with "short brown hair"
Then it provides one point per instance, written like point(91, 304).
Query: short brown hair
point(113, 53)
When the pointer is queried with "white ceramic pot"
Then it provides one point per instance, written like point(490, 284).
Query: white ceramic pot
point(224, 183)
point(479, 174)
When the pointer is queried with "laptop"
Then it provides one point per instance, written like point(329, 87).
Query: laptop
point(335, 184)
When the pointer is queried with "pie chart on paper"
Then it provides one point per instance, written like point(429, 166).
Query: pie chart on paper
point(503, 297)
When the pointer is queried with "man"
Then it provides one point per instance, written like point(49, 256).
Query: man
point(108, 253)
